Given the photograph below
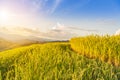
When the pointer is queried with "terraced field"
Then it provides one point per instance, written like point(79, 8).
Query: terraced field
point(104, 48)
point(53, 61)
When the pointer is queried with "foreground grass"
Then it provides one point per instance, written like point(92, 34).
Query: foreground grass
point(105, 48)
point(53, 61)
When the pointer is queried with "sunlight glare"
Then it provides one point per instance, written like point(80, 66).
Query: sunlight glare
point(4, 16)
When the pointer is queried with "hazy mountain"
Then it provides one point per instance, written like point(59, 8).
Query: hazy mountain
point(20, 33)
point(11, 37)
point(5, 44)
point(8, 44)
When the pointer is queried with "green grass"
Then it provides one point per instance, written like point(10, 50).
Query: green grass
point(53, 61)
point(105, 48)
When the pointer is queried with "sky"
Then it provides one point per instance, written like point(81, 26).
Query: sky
point(79, 17)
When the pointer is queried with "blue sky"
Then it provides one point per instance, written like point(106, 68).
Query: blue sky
point(100, 15)
point(89, 8)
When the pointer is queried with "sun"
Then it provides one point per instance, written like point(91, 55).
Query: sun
point(4, 16)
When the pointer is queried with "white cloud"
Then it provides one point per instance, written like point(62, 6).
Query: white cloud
point(117, 32)
point(37, 5)
point(73, 31)
point(56, 4)
point(29, 33)
point(63, 27)
point(59, 26)
point(58, 32)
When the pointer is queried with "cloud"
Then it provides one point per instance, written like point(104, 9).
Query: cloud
point(19, 30)
point(63, 27)
point(29, 33)
point(107, 22)
point(37, 5)
point(74, 31)
point(58, 32)
point(80, 29)
point(43, 6)
point(117, 32)
point(55, 5)
point(59, 26)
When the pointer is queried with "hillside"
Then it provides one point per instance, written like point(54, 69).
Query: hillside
point(105, 48)
point(4, 44)
point(8, 44)
point(53, 61)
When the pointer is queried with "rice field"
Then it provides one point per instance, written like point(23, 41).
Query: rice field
point(53, 61)
point(105, 48)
